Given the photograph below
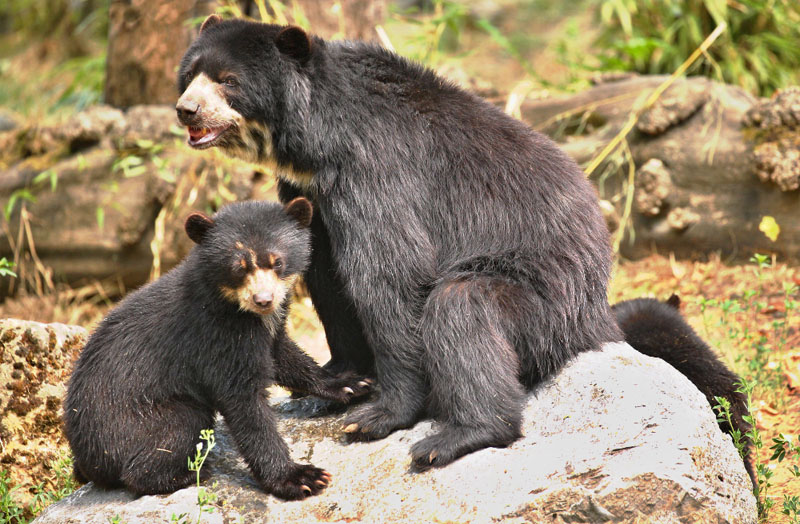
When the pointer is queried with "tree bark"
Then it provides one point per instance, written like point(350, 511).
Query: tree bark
point(353, 19)
point(146, 39)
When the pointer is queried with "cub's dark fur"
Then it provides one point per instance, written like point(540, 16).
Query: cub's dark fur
point(457, 251)
point(657, 329)
point(207, 337)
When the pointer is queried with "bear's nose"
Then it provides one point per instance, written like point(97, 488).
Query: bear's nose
point(262, 299)
point(187, 109)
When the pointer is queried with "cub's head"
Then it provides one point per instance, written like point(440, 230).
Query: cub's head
point(235, 78)
point(253, 252)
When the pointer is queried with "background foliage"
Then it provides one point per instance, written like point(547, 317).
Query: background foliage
point(760, 51)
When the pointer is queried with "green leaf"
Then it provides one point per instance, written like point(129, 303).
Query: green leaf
point(45, 175)
point(19, 194)
point(7, 268)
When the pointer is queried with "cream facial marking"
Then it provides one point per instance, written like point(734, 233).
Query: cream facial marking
point(262, 292)
point(203, 109)
point(211, 121)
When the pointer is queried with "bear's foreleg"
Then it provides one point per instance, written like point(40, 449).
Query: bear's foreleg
point(297, 371)
point(343, 330)
point(252, 425)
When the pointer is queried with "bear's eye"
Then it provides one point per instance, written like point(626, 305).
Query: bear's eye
point(230, 81)
point(240, 265)
point(278, 264)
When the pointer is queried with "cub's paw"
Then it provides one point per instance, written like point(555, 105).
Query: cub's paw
point(373, 422)
point(346, 387)
point(302, 481)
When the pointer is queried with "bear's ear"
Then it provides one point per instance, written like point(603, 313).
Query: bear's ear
point(295, 43)
point(674, 301)
point(212, 19)
point(197, 226)
point(300, 209)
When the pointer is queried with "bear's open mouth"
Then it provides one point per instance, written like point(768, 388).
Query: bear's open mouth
point(203, 137)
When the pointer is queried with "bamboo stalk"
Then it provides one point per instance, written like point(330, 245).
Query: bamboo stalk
point(657, 92)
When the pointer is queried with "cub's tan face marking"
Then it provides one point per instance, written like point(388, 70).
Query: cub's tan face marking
point(262, 291)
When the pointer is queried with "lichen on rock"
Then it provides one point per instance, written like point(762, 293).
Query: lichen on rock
point(676, 104)
point(777, 151)
point(35, 363)
point(653, 187)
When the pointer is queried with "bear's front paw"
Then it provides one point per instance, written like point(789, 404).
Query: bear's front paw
point(346, 387)
point(302, 481)
point(373, 422)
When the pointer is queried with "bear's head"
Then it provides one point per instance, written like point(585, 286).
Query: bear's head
point(235, 77)
point(253, 252)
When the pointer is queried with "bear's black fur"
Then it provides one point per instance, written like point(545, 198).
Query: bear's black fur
point(657, 329)
point(456, 250)
point(209, 336)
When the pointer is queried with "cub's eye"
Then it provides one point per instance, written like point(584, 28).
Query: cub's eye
point(230, 81)
point(240, 265)
point(278, 264)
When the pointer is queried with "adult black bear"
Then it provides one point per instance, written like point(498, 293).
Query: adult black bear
point(463, 251)
point(209, 336)
point(657, 329)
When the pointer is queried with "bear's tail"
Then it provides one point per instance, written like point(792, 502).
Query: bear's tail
point(657, 329)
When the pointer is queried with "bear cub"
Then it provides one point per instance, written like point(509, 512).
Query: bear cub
point(658, 329)
point(209, 336)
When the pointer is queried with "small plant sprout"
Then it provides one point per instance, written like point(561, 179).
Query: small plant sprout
point(7, 268)
point(205, 499)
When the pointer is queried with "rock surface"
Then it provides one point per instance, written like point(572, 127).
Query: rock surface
point(35, 363)
point(615, 437)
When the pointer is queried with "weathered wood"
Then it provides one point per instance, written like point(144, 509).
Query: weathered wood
point(726, 160)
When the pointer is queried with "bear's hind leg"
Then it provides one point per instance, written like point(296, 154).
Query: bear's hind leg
point(472, 368)
point(165, 441)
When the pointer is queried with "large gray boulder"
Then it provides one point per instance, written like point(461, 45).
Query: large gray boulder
point(615, 437)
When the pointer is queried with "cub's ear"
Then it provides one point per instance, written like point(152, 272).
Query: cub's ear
point(295, 43)
point(197, 226)
point(674, 301)
point(300, 209)
point(212, 19)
